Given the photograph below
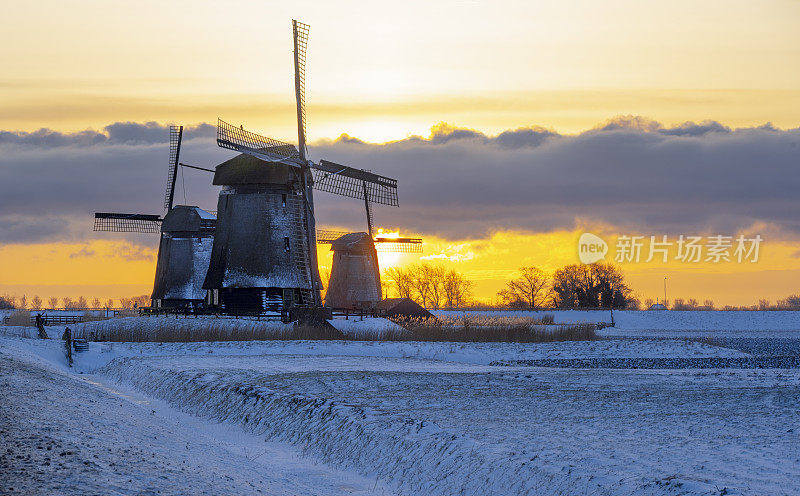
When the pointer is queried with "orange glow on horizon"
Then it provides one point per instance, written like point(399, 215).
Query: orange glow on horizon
point(112, 269)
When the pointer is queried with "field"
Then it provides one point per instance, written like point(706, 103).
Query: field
point(665, 403)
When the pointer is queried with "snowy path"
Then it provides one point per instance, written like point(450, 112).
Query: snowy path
point(76, 435)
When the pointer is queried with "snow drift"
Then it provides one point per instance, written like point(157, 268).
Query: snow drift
point(417, 457)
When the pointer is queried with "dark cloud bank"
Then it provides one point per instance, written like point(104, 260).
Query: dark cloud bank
point(629, 172)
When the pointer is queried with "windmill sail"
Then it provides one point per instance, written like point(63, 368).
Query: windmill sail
point(398, 245)
point(268, 149)
point(328, 176)
point(382, 244)
point(300, 46)
point(116, 222)
point(175, 136)
point(347, 181)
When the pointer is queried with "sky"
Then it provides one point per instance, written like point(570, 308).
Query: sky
point(512, 127)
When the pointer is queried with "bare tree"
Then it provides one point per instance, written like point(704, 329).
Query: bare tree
point(110, 303)
point(23, 302)
point(709, 304)
point(531, 289)
point(435, 274)
point(7, 302)
point(420, 285)
point(141, 301)
point(432, 286)
point(81, 303)
point(457, 289)
point(96, 303)
point(791, 302)
point(67, 302)
point(52, 302)
point(36, 303)
point(400, 280)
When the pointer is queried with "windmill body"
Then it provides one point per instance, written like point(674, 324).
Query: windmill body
point(184, 252)
point(355, 281)
point(260, 258)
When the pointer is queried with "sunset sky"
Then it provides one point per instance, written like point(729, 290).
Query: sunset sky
point(512, 127)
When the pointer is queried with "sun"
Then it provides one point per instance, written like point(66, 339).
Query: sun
point(386, 259)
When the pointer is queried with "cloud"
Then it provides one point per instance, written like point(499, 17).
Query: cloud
point(133, 253)
point(83, 252)
point(131, 133)
point(630, 172)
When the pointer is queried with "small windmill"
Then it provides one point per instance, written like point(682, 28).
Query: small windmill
point(187, 234)
point(265, 243)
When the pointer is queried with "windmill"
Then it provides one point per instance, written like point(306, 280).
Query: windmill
point(184, 249)
point(355, 281)
point(264, 251)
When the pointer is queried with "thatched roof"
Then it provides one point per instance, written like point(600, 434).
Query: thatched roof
point(247, 169)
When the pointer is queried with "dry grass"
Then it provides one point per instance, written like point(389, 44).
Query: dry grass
point(471, 329)
point(19, 318)
point(491, 329)
point(93, 317)
point(189, 331)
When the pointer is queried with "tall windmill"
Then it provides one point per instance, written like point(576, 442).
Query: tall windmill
point(265, 245)
point(184, 249)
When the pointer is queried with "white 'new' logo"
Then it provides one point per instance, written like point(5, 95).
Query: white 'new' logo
point(591, 248)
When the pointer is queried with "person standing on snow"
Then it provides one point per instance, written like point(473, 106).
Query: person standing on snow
point(67, 337)
point(40, 326)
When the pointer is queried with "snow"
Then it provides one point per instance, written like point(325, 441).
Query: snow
point(670, 320)
point(80, 435)
point(204, 214)
point(423, 417)
point(366, 327)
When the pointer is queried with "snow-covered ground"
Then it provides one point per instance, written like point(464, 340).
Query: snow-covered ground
point(669, 320)
point(370, 417)
point(69, 434)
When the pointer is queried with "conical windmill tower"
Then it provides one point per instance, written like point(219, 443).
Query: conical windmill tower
point(355, 281)
point(264, 253)
point(187, 234)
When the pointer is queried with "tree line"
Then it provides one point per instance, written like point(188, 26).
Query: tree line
point(432, 286)
point(791, 302)
point(600, 285)
point(574, 286)
point(80, 303)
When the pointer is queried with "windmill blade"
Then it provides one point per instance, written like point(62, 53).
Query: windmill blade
point(354, 183)
point(175, 136)
point(268, 149)
point(114, 222)
point(398, 245)
point(327, 237)
point(300, 31)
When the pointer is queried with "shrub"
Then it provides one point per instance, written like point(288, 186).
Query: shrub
point(19, 318)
